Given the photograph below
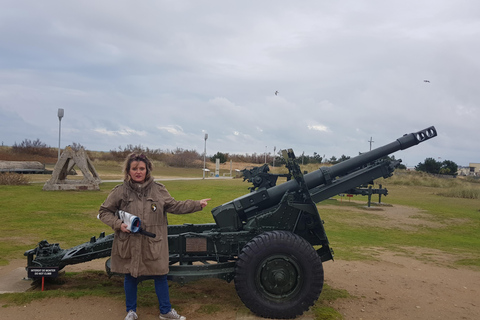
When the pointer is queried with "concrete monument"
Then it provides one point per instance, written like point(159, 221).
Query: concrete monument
point(65, 164)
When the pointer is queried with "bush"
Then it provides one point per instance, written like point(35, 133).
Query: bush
point(418, 178)
point(13, 179)
point(473, 179)
point(431, 165)
point(35, 147)
point(454, 188)
point(184, 159)
point(219, 155)
point(123, 152)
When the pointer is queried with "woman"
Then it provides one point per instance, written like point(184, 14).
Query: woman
point(134, 254)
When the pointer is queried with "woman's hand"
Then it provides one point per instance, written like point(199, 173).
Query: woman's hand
point(204, 202)
point(124, 227)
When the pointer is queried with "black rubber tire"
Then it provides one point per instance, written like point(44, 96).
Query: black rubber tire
point(278, 275)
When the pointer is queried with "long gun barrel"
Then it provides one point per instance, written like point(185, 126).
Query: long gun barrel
point(250, 204)
point(408, 140)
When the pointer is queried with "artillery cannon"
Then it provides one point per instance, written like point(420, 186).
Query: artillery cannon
point(271, 242)
point(260, 178)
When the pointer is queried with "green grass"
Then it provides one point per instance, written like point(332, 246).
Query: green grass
point(69, 217)
point(322, 309)
point(457, 223)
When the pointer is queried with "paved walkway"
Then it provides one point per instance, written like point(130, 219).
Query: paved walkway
point(14, 281)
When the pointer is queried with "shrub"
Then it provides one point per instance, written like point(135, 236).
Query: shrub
point(473, 179)
point(35, 147)
point(219, 155)
point(454, 188)
point(183, 159)
point(417, 178)
point(431, 165)
point(123, 152)
point(11, 179)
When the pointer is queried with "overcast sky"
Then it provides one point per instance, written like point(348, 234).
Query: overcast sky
point(163, 73)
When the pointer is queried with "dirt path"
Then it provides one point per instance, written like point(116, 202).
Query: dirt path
point(392, 287)
point(398, 287)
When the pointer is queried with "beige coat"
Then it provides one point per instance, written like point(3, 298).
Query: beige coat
point(137, 254)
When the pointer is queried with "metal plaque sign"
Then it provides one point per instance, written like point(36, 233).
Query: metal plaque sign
point(39, 272)
point(195, 244)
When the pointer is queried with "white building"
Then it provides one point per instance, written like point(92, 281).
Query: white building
point(473, 169)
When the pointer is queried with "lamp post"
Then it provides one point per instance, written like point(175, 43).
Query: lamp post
point(204, 154)
point(60, 116)
point(274, 149)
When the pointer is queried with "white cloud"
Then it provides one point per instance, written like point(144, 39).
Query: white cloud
point(318, 127)
point(172, 129)
point(121, 132)
point(170, 71)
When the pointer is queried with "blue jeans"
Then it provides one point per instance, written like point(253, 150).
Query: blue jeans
point(161, 289)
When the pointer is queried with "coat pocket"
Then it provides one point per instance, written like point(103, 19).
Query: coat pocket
point(121, 247)
point(155, 248)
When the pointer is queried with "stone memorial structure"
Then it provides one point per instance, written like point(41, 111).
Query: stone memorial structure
point(65, 164)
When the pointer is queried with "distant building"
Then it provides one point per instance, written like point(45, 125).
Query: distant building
point(473, 169)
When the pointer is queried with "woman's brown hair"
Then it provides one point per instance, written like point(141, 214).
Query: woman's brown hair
point(137, 157)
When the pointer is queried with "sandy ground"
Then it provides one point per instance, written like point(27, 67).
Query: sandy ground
point(393, 286)
point(397, 287)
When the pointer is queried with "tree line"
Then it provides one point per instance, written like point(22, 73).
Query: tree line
point(430, 165)
point(191, 158)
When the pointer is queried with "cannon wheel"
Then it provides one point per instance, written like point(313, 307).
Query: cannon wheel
point(278, 275)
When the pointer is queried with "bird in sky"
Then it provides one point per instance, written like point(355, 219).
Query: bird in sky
point(276, 92)
point(426, 81)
